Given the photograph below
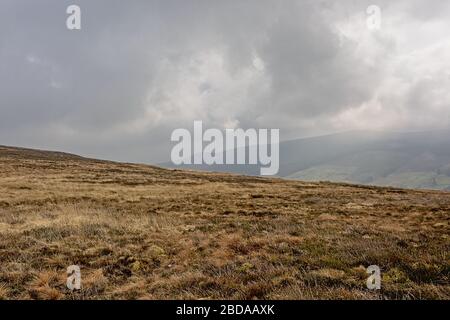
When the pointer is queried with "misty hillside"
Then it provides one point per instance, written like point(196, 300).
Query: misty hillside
point(408, 160)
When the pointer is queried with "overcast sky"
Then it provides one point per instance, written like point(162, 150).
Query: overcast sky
point(137, 70)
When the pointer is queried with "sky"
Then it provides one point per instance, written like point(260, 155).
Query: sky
point(137, 70)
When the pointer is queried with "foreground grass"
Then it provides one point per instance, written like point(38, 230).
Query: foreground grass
point(140, 232)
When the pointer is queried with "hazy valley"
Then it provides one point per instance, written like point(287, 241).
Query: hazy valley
point(416, 160)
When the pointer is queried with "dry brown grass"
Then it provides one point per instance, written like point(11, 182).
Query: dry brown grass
point(140, 232)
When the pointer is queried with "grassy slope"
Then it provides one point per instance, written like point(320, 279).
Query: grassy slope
point(142, 232)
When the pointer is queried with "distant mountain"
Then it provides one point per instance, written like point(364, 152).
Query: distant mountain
point(408, 160)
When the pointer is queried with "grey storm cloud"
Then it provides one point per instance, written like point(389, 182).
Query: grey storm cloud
point(139, 69)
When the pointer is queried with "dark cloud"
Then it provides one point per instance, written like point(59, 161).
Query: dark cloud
point(139, 69)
